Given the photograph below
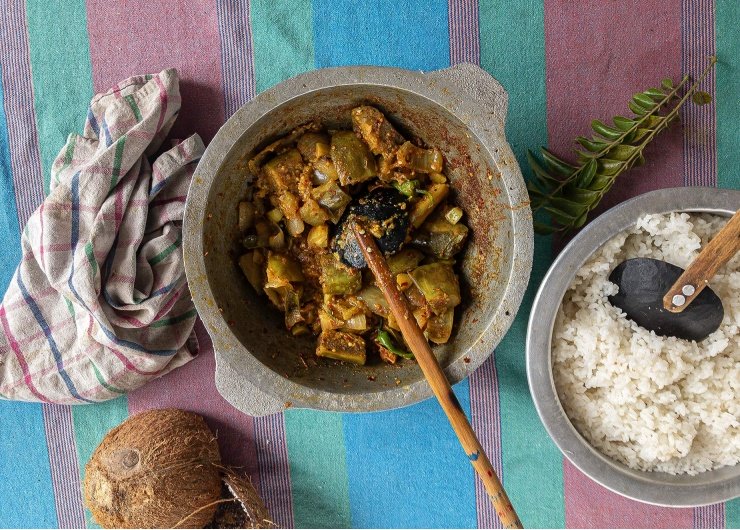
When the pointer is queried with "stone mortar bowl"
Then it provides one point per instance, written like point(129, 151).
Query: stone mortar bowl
point(652, 487)
point(260, 368)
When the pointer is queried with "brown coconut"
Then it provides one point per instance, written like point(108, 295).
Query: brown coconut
point(157, 469)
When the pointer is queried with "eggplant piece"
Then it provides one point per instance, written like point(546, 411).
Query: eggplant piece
point(328, 321)
point(384, 212)
point(418, 159)
point(352, 159)
point(255, 164)
point(439, 327)
point(283, 171)
point(324, 171)
point(313, 146)
point(441, 238)
point(332, 198)
point(374, 300)
point(341, 346)
point(282, 269)
point(438, 283)
point(264, 230)
point(338, 278)
point(404, 260)
point(253, 266)
point(312, 213)
point(376, 130)
point(428, 202)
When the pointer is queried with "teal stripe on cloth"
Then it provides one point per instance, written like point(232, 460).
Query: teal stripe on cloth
point(513, 51)
point(91, 424)
point(728, 116)
point(62, 78)
point(384, 32)
point(26, 493)
point(407, 469)
point(728, 95)
point(281, 32)
point(318, 471)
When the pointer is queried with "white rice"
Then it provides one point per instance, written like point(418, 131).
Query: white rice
point(653, 403)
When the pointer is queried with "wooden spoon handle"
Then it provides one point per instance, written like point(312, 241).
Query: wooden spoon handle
point(695, 278)
point(436, 378)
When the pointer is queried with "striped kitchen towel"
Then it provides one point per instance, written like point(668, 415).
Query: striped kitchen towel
point(99, 304)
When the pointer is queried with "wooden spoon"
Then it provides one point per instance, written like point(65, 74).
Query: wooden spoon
point(721, 249)
point(436, 377)
point(671, 301)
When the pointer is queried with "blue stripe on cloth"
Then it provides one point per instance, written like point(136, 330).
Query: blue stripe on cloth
point(93, 122)
point(26, 492)
point(407, 470)
point(9, 228)
point(33, 306)
point(157, 187)
point(403, 465)
point(413, 36)
point(106, 134)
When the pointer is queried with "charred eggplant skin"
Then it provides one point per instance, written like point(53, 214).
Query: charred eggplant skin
point(385, 209)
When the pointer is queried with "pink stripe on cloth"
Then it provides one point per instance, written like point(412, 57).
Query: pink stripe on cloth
point(192, 387)
point(589, 505)
point(192, 47)
point(588, 77)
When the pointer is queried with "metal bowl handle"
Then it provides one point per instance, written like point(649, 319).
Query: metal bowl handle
point(478, 84)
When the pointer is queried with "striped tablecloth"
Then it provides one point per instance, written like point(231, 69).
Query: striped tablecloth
point(563, 63)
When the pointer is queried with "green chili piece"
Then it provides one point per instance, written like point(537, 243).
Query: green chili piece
point(385, 340)
point(407, 188)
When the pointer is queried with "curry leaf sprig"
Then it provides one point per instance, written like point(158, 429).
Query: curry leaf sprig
point(568, 192)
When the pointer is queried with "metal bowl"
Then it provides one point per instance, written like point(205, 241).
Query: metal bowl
point(261, 368)
point(651, 487)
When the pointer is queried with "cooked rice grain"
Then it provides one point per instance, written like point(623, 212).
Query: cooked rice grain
point(653, 403)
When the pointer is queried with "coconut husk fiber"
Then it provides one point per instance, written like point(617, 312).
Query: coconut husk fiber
point(247, 510)
point(157, 469)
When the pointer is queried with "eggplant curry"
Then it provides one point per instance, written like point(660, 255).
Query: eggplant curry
point(299, 252)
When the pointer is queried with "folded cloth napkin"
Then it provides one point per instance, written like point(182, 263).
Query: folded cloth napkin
point(99, 304)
